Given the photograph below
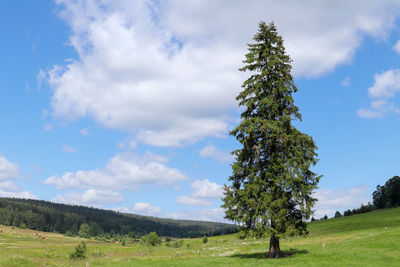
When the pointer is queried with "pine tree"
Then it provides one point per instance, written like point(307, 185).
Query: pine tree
point(272, 184)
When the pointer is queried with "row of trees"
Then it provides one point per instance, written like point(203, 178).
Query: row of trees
point(86, 222)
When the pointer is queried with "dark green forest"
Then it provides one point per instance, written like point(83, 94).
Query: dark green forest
point(69, 219)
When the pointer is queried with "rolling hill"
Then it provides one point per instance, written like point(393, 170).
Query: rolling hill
point(60, 218)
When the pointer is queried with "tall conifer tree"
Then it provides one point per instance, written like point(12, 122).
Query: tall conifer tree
point(272, 184)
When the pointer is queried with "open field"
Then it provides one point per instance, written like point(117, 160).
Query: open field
point(370, 239)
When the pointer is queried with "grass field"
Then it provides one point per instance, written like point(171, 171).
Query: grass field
point(370, 239)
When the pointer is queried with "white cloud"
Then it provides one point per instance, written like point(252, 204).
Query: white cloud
point(215, 215)
point(18, 194)
point(330, 201)
point(168, 72)
point(206, 189)
point(386, 87)
point(346, 81)
point(370, 114)
point(318, 36)
point(9, 186)
point(193, 201)
point(123, 171)
point(211, 151)
point(146, 209)
point(85, 131)
point(41, 77)
point(142, 208)
point(67, 148)
point(396, 47)
point(203, 193)
point(8, 169)
point(90, 197)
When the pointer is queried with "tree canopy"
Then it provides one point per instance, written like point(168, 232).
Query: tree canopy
point(388, 195)
point(271, 184)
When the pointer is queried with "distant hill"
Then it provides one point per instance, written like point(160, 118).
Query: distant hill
point(54, 217)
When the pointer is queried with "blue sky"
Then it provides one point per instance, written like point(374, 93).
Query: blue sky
point(126, 105)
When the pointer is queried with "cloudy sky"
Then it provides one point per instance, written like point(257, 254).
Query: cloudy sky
point(126, 105)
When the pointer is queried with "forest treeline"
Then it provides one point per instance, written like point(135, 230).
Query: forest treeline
point(68, 219)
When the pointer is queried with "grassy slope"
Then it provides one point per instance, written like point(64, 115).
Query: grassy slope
point(370, 239)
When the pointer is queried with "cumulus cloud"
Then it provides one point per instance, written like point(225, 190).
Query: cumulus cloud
point(8, 186)
point(203, 193)
point(167, 72)
point(319, 36)
point(396, 47)
point(330, 201)
point(215, 215)
point(90, 197)
point(17, 194)
point(193, 201)
point(146, 208)
point(142, 208)
point(211, 151)
point(8, 169)
point(123, 171)
point(386, 87)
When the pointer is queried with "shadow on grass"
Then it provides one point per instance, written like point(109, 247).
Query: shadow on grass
point(264, 255)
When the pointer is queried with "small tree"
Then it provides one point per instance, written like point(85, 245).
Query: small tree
point(205, 239)
point(153, 239)
point(338, 214)
point(272, 184)
point(80, 251)
point(84, 231)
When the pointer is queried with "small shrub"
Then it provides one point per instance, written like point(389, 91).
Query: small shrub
point(205, 239)
point(69, 233)
point(123, 242)
point(143, 240)
point(153, 239)
point(80, 251)
point(22, 226)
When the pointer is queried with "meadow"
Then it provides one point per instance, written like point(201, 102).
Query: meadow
point(369, 239)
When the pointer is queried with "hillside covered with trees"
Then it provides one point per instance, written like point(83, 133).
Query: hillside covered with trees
point(53, 217)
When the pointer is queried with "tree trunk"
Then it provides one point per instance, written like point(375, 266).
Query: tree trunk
point(274, 249)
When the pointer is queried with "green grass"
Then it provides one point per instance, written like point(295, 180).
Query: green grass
point(370, 239)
